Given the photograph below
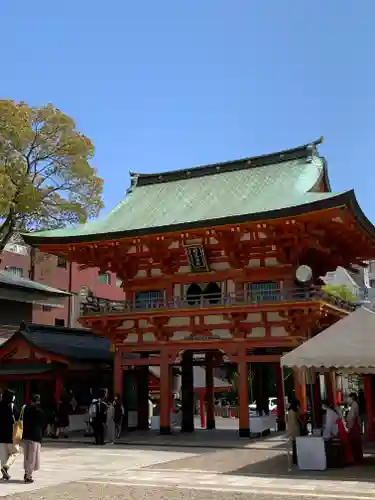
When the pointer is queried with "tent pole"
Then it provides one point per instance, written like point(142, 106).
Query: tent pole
point(289, 444)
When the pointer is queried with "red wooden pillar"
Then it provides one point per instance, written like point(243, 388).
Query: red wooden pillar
point(202, 409)
point(118, 376)
point(59, 387)
point(165, 394)
point(300, 390)
point(243, 393)
point(280, 397)
point(370, 406)
point(210, 391)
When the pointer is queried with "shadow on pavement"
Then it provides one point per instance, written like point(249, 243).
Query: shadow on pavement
point(217, 439)
point(278, 466)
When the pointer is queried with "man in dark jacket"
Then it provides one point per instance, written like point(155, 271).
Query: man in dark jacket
point(8, 416)
point(99, 418)
point(33, 428)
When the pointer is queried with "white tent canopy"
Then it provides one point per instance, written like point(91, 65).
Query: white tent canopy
point(348, 345)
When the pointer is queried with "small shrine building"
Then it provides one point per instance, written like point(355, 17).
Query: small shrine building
point(209, 259)
point(51, 361)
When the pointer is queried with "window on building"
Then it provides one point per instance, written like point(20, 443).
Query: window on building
point(61, 262)
point(264, 291)
point(59, 322)
point(15, 271)
point(372, 283)
point(149, 300)
point(371, 266)
point(104, 278)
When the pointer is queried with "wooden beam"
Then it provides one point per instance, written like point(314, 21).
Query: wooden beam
point(155, 361)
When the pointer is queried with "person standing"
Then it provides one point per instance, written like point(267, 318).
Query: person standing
point(33, 427)
point(51, 415)
point(118, 415)
point(362, 411)
point(111, 426)
point(354, 428)
point(330, 426)
point(63, 418)
point(99, 418)
point(8, 417)
point(294, 427)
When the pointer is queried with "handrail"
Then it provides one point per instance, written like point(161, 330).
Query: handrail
point(94, 305)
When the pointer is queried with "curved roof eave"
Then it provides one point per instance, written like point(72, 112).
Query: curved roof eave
point(347, 198)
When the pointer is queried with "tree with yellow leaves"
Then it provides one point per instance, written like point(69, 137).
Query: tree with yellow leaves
point(46, 180)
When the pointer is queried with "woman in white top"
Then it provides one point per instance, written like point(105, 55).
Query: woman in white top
point(330, 427)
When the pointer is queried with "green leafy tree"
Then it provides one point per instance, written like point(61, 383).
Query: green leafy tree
point(339, 291)
point(46, 180)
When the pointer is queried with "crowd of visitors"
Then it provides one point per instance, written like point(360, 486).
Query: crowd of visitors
point(106, 418)
point(24, 428)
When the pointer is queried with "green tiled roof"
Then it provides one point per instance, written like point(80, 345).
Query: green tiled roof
point(249, 188)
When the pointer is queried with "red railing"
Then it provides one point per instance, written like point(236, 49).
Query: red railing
point(94, 305)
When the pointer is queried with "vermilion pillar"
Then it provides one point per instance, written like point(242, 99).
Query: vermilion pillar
point(201, 408)
point(187, 387)
point(300, 391)
point(165, 398)
point(210, 391)
point(243, 394)
point(58, 389)
point(280, 397)
point(370, 406)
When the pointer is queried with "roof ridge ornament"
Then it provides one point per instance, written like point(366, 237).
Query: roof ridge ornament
point(133, 182)
point(312, 148)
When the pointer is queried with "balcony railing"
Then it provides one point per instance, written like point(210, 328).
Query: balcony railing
point(94, 305)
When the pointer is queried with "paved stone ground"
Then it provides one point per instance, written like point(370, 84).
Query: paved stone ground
point(73, 471)
point(62, 465)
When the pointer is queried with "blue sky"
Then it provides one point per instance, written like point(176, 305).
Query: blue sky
point(159, 85)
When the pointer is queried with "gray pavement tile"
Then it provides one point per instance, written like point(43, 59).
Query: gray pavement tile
point(73, 491)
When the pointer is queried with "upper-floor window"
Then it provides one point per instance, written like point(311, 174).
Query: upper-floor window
point(372, 283)
point(371, 266)
point(15, 271)
point(61, 262)
point(264, 291)
point(149, 300)
point(104, 278)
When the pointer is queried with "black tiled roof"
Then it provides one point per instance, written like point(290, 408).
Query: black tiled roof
point(9, 280)
point(72, 343)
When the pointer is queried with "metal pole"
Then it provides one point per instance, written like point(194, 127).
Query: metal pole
point(288, 441)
